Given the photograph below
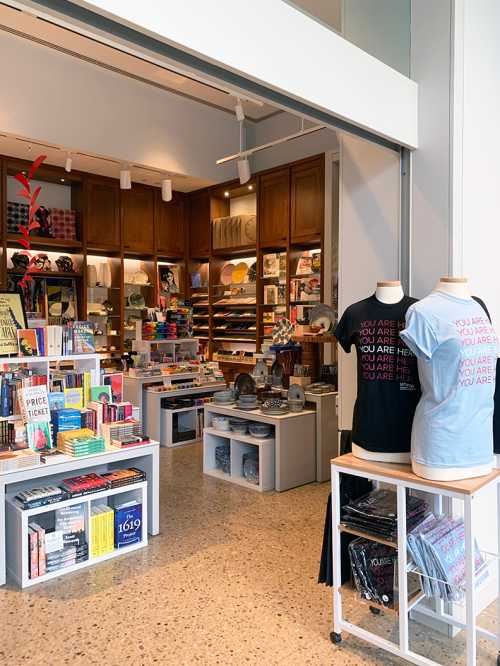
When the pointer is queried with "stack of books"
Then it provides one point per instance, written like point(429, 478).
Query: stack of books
point(122, 432)
point(85, 484)
point(80, 445)
point(102, 530)
point(124, 477)
point(12, 460)
point(67, 557)
point(55, 340)
point(32, 499)
point(64, 420)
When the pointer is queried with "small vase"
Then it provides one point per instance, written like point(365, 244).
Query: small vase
point(91, 275)
point(105, 275)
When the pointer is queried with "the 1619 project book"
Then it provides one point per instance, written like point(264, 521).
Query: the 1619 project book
point(128, 524)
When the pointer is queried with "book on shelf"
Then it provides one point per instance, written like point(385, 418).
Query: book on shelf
point(39, 436)
point(120, 430)
point(32, 552)
point(128, 523)
point(124, 477)
point(102, 530)
point(115, 381)
point(34, 403)
point(41, 556)
point(83, 337)
point(36, 497)
point(85, 484)
point(56, 400)
point(100, 394)
point(71, 521)
point(27, 342)
point(73, 398)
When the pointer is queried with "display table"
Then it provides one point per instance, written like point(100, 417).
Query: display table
point(145, 457)
point(134, 387)
point(401, 476)
point(294, 458)
point(155, 423)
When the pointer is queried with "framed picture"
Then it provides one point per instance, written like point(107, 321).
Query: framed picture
point(270, 294)
point(271, 266)
point(12, 319)
point(169, 279)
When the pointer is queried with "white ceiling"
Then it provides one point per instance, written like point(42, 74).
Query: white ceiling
point(49, 35)
point(53, 36)
point(27, 149)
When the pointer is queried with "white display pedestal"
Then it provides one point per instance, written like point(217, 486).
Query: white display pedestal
point(145, 457)
point(401, 476)
point(294, 443)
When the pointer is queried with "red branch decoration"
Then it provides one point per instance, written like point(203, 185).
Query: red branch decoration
point(32, 197)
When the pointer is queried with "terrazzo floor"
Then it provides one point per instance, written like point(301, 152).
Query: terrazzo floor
point(230, 580)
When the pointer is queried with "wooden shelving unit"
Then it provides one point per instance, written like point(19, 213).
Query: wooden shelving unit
point(137, 225)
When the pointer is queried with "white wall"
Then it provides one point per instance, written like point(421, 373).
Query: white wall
point(57, 98)
point(280, 125)
point(295, 60)
point(431, 165)
point(369, 239)
point(381, 28)
point(52, 195)
point(479, 162)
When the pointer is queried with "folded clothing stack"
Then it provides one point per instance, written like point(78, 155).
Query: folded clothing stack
point(437, 547)
point(373, 568)
point(376, 513)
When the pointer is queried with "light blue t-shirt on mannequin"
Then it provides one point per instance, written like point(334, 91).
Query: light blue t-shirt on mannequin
point(457, 351)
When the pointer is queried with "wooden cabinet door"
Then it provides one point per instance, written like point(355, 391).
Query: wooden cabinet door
point(171, 225)
point(199, 225)
point(274, 207)
point(137, 206)
point(102, 215)
point(307, 189)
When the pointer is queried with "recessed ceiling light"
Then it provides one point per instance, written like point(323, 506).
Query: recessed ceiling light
point(250, 187)
point(62, 180)
point(226, 193)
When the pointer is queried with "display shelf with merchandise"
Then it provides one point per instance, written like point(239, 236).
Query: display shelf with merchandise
point(406, 483)
point(18, 521)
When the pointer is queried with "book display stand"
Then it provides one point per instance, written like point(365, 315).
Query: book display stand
point(402, 478)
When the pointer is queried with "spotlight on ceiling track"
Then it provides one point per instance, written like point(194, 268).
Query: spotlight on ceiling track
point(238, 109)
point(166, 189)
point(69, 163)
point(125, 179)
point(244, 171)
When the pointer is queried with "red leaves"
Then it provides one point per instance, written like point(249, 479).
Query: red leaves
point(35, 165)
point(32, 197)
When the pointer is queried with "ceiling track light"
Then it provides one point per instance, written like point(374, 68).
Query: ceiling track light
point(244, 172)
point(125, 179)
point(166, 189)
point(238, 109)
point(69, 163)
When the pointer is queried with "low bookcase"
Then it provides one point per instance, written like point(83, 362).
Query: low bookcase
point(18, 521)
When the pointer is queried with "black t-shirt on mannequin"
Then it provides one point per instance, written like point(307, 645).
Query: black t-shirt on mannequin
point(388, 385)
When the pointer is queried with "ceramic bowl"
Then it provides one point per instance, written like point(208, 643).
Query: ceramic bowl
point(247, 398)
point(272, 403)
point(221, 423)
point(260, 430)
point(239, 426)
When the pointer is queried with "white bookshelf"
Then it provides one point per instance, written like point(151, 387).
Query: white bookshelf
point(17, 531)
point(91, 362)
point(238, 446)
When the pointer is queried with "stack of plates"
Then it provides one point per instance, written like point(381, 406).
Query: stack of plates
point(320, 387)
point(239, 426)
point(296, 398)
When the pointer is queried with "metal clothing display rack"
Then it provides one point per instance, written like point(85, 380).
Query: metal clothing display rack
point(401, 476)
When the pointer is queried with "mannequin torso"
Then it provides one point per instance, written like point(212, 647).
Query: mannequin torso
point(388, 292)
point(458, 287)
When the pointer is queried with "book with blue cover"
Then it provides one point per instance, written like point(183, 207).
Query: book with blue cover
point(128, 524)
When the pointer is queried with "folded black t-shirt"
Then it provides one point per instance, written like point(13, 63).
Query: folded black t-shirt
point(388, 385)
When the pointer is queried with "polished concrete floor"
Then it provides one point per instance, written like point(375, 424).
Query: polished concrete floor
point(230, 580)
